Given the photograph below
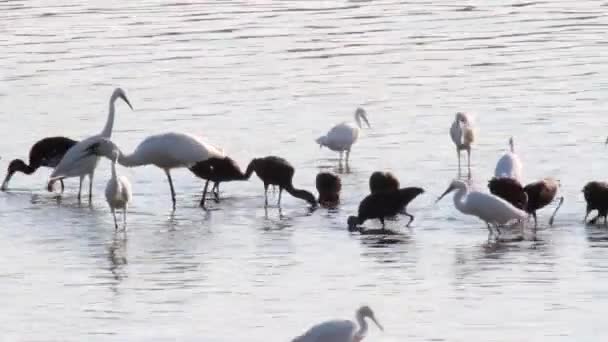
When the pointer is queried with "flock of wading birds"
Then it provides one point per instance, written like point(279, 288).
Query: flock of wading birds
point(508, 203)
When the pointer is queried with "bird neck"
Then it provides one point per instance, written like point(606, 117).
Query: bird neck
point(362, 325)
point(27, 169)
point(458, 199)
point(358, 119)
point(301, 194)
point(114, 169)
point(107, 129)
point(128, 160)
point(249, 171)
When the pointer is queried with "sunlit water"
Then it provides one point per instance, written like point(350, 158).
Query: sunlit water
point(261, 78)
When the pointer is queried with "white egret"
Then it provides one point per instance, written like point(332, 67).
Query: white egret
point(166, 151)
point(463, 136)
point(491, 209)
point(74, 163)
point(342, 136)
point(340, 330)
point(509, 165)
point(118, 192)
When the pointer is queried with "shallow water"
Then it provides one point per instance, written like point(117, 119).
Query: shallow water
point(268, 78)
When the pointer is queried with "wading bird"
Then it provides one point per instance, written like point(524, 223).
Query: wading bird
point(166, 151)
point(340, 330)
point(596, 196)
point(509, 165)
point(217, 170)
point(384, 204)
point(118, 193)
point(342, 136)
point(463, 136)
point(46, 152)
point(493, 210)
point(383, 181)
point(274, 170)
point(77, 162)
point(329, 186)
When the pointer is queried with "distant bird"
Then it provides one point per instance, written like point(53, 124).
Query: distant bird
point(384, 204)
point(463, 136)
point(166, 151)
point(328, 186)
point(340, 330)
point(491, 209)
point(274, 170)
point(118, 193)
point(46, 152)
point(383, 181)
point(217, 170)
point(341, 137)
point(76, 162)
point(509, 165)
point(596, 196)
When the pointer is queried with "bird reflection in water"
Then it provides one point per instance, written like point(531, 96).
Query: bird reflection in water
point(117, 256)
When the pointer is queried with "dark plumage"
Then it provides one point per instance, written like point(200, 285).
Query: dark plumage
point(46, 152)
point(384, 204)
point(217, 170)
point(328, 186)
point(274, 170)
point(383, 181)
point(510, 190)
point(596, 196)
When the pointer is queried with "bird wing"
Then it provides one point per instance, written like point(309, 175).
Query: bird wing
point(337, 330)
point(171, 150)
point(342, 136)
point(509, 166)
point(492, 208)
point(127, 193)
point(469, 135)
point(77, 161)
point(456, 134)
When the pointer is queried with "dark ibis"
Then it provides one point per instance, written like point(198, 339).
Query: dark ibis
point(596, 196)
point(329, 186)
point(383, 181)
point(384, 204)
point(217, 170)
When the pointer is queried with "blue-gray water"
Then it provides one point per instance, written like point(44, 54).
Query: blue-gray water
point(268, 77)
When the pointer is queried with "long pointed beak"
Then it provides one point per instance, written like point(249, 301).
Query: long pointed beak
point(445, 193)
point(366, 121)
point(6, 180)
point(127, 101)
point(606, 143)
point(377, 323)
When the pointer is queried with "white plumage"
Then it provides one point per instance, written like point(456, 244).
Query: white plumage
point(340, 330)
point(76, 163)
point(341, 137)
point(118, 193)
point(463, 136)
point(509, 165)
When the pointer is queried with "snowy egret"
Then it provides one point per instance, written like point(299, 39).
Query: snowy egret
point(596, 196)
point(491, 209)
point(384, 204)
point(166, 151)
point(382, 181)
point(274, 170)
point(46, 152)
point(329, 186)
point(118, 192)
point(340, 330)
point(74, 163)
point(463, 136)
point(509, 165)
point(342, 136)
point(217, 170)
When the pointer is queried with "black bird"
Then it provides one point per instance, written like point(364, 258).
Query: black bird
point(328, 186)
point(596, 196)
point(384, 204)
point(217, 170)
point(383, 181)
point(274, 170)
point(46, 152)
point(510, 190)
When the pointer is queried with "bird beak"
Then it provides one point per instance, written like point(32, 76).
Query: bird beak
point(5, 182)
point(606, 143)
point(450, 188)
point(126, 100)
point(366, 121)
point(377, 323)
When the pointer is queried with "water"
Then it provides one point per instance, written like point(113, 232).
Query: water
point(267, 78)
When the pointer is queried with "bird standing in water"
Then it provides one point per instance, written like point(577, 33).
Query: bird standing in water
point(463, 136)
point(341, 330)
point(217, 170)
point(118, 193)
point(382, 181)
point(329, 186)
point(341, 137)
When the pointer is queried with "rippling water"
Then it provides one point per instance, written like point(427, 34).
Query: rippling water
point(267, 77)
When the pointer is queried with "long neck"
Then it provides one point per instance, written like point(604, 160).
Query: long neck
point(362, 325)
point(129, 160)
point(107, 129)
point(511, 146)
point(458, 197)
point(114, 169)
point(249, 171)
point(27, 169)
point(358, 119)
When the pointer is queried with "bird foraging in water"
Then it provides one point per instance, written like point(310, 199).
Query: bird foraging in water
point(341, 330)
point(46, 152)
point(491, 209)
point(217, 170)
point(118, 193)
point(329, 186)
point(274, 170)
point(341, 137)
point(509, 165)
point(596, 196)
point(510, 190)
point(463, 136)
point(383, 181)
point(384, 204)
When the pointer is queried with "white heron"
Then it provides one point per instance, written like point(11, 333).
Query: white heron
point(491, 209)
point(342, 136)
point(73, 164)
point(340, 330)
point(166, 151)
point(118, 192)
point(463, 136)
point(509, 165)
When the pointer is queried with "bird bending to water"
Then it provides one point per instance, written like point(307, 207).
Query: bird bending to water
point(274, 170)
point(118, 192)
point(509, 165)
point(463, 136)
point(46, 152)
point(596, 196)
point(217, 170)
point(491, 209)
point(341, 330)
point(329, 186)
point(77, 162)
point(384, 204)
point(383, 181)
point(341, 137)
point(166, 151)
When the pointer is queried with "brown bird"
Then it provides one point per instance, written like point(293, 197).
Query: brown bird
point(383, 181)
point(596, 196)
point(217, 170)
point(328, 186)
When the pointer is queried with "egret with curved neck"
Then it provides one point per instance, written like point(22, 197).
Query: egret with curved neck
point(341, 330)
point(341, 137)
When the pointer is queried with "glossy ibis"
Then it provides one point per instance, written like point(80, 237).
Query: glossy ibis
point(384, 204)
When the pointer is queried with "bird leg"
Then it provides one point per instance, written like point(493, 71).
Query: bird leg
point(469, 160)
point(171, 186)
point(383, 225)
point(458, 155)
point(91, 186)
point(216, 191)
point(587, 215)
point(411, 218)
point(124, 217)
point(280, 192)
point(347, 156)
point(490, 231)
point(535, 222)
point(62, 186)
point(115, 222)
point(204, 194)
point(265, 195)
point(80, 188)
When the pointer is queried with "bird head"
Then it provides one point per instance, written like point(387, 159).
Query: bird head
point(352, 221)
point(14, 166)
point(322, 141)
point(462, 118)
point(366, 312)
point(103, 147)
point(455, 184)
point(360, 113)
point(120, 94)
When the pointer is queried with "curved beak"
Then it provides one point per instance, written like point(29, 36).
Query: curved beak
point(450, 188)
point(606, 143)
point(364, 116)
point(126, 100)
point(6, 180)
point(377, 323)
